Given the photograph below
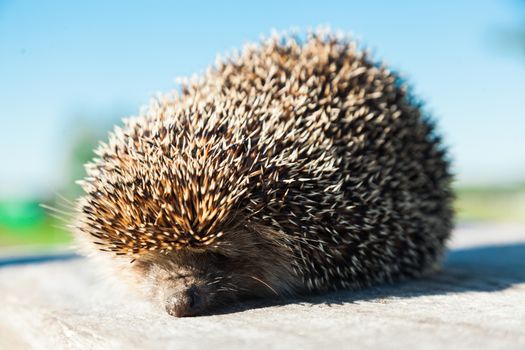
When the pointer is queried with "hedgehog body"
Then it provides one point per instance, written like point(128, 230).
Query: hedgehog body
point(296, 166)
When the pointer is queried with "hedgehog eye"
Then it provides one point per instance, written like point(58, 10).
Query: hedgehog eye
point(219, 259)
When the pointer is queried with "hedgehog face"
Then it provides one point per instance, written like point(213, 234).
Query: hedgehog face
point(191, 281)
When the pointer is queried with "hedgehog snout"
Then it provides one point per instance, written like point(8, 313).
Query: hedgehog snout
point(186, 302)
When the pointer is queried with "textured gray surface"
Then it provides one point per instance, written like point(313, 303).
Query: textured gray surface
point(476, 302)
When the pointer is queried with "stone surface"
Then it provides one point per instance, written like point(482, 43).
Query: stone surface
point(476, 302)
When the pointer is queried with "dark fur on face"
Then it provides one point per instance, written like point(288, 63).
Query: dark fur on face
point(192, 281)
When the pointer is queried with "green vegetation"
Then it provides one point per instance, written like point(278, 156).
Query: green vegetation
point(502, 203)
point(26, 223)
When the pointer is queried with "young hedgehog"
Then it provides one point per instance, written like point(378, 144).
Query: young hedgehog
point(297, 166)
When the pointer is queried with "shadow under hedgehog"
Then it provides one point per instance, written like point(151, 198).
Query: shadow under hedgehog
point(297, 166)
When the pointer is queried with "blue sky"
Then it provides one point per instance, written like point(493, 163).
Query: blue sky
point(61, 57)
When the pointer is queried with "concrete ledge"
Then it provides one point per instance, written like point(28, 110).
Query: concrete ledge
point(476, 302)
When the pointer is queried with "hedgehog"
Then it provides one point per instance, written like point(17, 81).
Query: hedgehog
point(298, 165)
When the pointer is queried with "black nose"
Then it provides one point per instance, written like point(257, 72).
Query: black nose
point(187, 302)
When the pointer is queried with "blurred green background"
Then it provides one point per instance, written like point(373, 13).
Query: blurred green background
point(69, 71)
